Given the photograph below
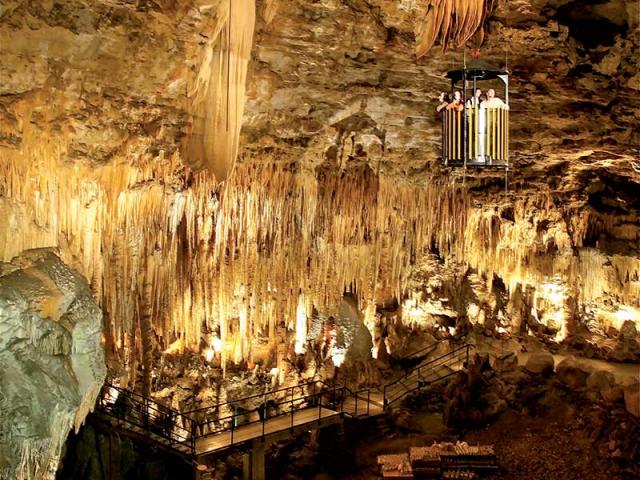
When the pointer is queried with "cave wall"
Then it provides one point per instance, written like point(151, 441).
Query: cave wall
point(337, 185)
point(52, 361)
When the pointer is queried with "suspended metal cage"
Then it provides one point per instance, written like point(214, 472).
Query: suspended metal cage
point(477, 135)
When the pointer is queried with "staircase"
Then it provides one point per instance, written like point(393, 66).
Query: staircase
point(428, 372)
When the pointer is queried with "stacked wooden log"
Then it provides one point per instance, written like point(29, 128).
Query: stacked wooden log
point(440, 461)
point(397, 467)
point(459, 474)
point(426, 460)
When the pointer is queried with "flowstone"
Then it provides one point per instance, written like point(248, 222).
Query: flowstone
point(52, 361)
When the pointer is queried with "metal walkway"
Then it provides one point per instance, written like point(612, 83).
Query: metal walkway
point(220, 427)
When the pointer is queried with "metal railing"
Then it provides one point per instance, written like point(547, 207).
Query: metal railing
point(425, 374)
point(172, 427)
point(284, 402)
point(476, 136)
point(181, 430)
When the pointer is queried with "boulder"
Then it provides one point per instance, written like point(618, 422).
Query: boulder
point(625, 350)
point(600, 379)
point(571, 373)
point(614, 394)
point(603, 386)
point(632, 399)
point(540, 363)
point(495, 405)
point(52, 361)
point(629, 330)
point(505, 363)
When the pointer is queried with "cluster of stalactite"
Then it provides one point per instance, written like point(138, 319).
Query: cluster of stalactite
point(451, 21)
point(168, 252)
point(541, 240)
point(535, 243)
point(173, 254)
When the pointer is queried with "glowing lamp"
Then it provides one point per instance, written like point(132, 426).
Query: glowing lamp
point(216, 344)
point(208, 354)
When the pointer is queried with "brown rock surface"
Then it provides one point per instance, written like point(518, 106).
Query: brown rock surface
point(632, 399)
point(571, 373)
point(540, 363)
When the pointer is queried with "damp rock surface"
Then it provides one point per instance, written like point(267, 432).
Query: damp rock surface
point(52, 361)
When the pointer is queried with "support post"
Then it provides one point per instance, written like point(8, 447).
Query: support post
point(253, 462)
point(198, 471)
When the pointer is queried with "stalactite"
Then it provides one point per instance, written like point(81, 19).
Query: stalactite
point(234, 260)
point(217, 94)
point(269, 10)
point(451, 21)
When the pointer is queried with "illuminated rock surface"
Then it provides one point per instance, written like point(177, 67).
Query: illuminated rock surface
point(52, 361)
point(227, 187)
point(107, 109)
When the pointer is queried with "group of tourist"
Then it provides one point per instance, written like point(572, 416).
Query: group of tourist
point(456, 103)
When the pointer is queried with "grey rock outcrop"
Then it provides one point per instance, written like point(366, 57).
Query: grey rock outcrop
point(52, 361)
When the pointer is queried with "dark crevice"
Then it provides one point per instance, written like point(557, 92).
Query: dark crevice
point(587, 26)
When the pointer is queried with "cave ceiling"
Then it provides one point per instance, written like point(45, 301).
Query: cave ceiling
point(331, 82)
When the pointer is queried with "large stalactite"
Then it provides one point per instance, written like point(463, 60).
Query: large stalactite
point(451, 21)
point(217, 92)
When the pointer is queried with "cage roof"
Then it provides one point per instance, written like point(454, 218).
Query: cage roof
point(476, 68)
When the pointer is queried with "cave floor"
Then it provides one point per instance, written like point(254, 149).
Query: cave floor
point(502, 347)
point(552, 446)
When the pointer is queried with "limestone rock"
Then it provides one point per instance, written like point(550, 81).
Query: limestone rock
point(629, 330)
point(571, 373)
point(632, 399)
point(604, 384)
point(541, 363)
point(600, 379)
point(52, 361)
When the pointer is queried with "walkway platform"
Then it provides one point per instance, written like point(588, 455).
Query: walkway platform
point(281, 424)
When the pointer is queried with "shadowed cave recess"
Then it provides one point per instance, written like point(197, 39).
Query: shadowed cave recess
point(232, 244)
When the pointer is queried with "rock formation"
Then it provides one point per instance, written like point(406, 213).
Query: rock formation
point(106, 111)
point(52, 361)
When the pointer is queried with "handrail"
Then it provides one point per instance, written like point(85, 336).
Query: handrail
point(326, 399)
point(181, 429)
point(431, 347)
point(143, 412)
point(416, 375)
point(255, 396)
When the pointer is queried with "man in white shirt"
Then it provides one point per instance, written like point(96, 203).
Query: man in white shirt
point(492, 101)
